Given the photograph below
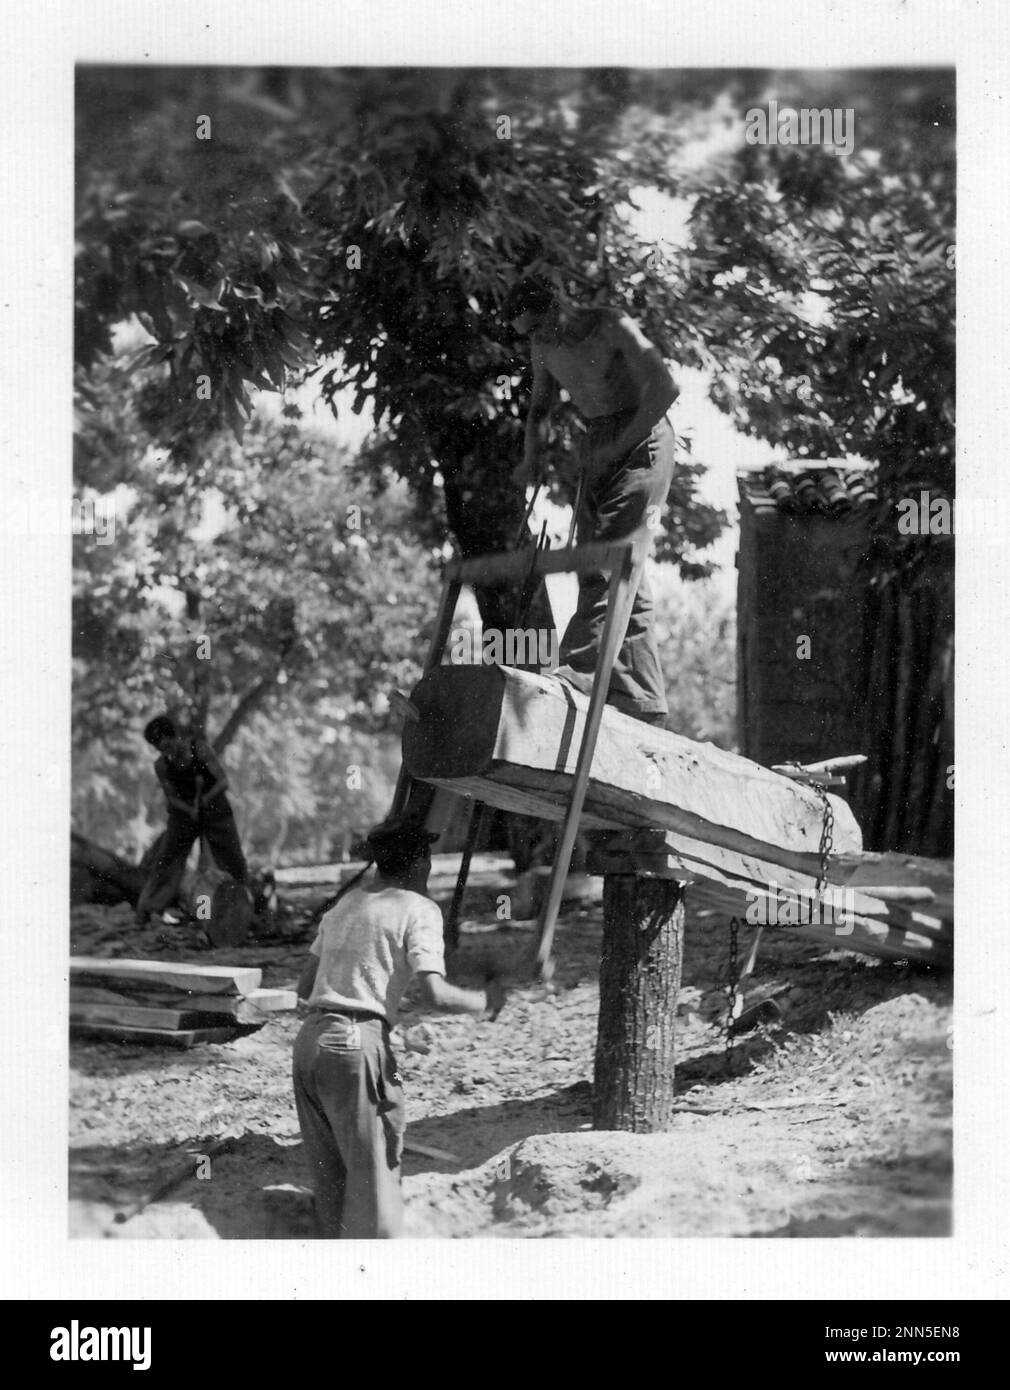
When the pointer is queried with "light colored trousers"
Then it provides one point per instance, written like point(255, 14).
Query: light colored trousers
point(351, 1113)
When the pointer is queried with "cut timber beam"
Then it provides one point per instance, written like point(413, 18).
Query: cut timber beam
point(195, 979)
point(511, 738)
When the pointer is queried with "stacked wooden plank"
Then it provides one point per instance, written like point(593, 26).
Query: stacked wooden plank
point(173, 1003)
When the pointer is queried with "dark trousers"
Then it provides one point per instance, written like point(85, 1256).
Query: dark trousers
point(218, 828)
point(614, 505)
point(351, 1115)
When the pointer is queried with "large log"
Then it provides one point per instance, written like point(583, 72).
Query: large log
point(511, 738)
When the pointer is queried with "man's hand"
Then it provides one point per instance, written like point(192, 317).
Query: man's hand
point(496, 995)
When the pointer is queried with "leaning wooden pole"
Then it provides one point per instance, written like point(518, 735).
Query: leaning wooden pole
point(624, 582)
point(643, 949)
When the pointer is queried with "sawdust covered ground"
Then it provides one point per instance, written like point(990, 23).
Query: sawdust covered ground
point(834, 1120)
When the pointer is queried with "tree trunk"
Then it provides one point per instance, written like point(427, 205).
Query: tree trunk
point(643, 947)
point(247, 705)
point(485, 519)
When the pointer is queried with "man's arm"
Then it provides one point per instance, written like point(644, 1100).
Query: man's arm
point(215, 772)
point(438, 993)
point(174, 801)
point(655, 387)
point(537, 421)
point(307, 979)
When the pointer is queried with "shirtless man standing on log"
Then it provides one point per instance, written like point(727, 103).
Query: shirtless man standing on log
point(621, 387)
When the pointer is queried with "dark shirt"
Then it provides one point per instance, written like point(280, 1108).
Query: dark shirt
point(181, 782)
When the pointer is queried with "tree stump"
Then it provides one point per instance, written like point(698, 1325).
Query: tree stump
point(643, 948)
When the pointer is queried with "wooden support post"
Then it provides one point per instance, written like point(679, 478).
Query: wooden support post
point(475, 821)
point(643, 947)
point(624, 580)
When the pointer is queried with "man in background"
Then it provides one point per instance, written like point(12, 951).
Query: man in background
point(195, 789)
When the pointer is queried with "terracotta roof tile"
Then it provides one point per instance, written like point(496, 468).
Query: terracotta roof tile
point(831, 487)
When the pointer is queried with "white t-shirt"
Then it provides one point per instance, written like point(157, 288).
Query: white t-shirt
point(370, 944)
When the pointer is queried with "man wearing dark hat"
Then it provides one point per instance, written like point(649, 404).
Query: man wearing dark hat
point(348, 1090)
point(619, 383)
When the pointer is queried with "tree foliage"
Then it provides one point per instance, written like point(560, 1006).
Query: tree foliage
point(359, 229)
point(363, 227)
point(821, 285)
point(256, 591)
point(696, 633)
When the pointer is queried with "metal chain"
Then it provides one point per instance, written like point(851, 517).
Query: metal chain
point(827, 840)
point(824, 856)
point(731, 979)
point(827, 836)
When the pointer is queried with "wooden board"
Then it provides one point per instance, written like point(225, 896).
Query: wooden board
point(848, 917)
point(866, 869)
point(867, 936)
point(145, 1016)
point(252, 1007)
point(751, 879)
point(312, 875)
point(249, 1008)
point(107, 1032)
point(196, 979)
point(512, 738)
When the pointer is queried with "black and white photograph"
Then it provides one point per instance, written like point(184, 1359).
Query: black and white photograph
point(509, 779)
